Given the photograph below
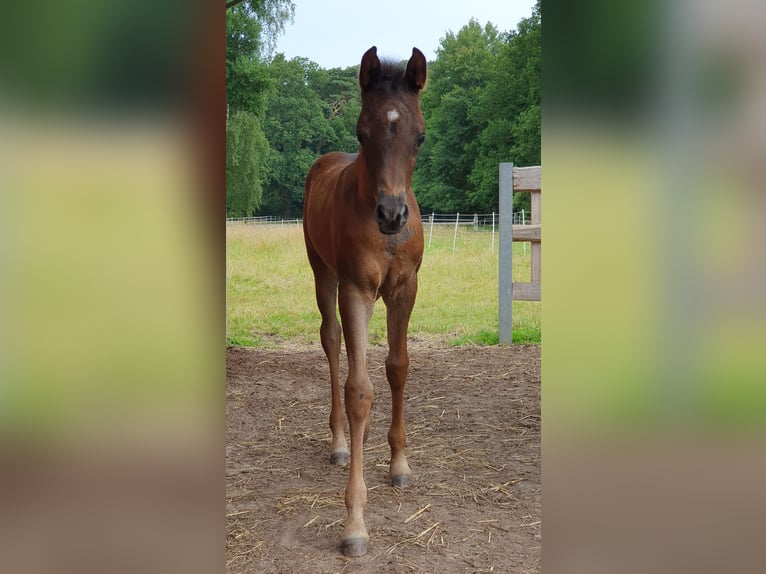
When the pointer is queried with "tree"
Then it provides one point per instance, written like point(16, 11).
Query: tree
point(298, 131)
point(251, 30)
point(481, 105)
point(246, 152)
point(456, 79)
point(268, 16)
point(509, 109)
point(338, 88)
point(310, 112)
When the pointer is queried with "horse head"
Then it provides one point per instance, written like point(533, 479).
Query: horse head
point(390, 130)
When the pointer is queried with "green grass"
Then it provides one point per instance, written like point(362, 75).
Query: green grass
point(270, 291)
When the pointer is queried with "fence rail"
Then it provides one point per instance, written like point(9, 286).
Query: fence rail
point(520, 220)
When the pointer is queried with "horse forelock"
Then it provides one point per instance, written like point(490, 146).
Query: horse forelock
point(391, 78)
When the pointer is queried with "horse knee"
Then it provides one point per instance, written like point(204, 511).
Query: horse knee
point(358, 396)
point(397, 367)
point(329, 333)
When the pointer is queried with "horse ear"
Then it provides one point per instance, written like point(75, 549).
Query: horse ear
point(416, 70)
point(369, 69)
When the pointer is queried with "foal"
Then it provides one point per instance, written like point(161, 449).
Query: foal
point(364, 239)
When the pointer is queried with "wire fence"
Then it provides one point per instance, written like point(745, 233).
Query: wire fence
point(263, 220)
point(478, 220)
point(434, 224)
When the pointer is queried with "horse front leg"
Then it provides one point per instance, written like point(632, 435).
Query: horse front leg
point(398, 310)
point(356, 309)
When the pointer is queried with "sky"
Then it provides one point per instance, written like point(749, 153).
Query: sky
point(335, 33)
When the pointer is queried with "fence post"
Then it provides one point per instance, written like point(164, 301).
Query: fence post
point(523, 222)
point(431, 234)
point(505, 279)
point(535, 248)
point(454, 237)
point(493, 232)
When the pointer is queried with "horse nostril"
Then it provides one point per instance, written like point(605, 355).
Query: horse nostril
point(379, 215)
point(391, 213)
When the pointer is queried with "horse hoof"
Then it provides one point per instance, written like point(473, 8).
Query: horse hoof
point(354, 547)
point(339, 458)
point(400, 480)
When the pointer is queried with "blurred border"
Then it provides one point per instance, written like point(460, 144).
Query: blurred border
point(112, 203)
point(654, 155)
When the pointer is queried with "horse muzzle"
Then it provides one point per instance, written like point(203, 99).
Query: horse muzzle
point(391, 213)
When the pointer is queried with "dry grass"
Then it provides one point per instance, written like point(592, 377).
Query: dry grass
point(270, 292)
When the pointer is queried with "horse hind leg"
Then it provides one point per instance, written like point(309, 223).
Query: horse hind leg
point(326, 294)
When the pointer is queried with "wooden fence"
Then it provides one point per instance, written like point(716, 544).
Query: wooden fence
point(517, 180)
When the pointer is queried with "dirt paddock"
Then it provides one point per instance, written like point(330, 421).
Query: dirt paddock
point(473, 428)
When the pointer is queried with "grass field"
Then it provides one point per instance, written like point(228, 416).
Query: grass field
point(270, 290)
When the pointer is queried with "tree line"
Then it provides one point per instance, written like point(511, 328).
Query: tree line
point(481, 106)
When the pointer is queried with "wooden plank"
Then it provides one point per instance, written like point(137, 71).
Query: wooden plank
point(536, 247)
point(526, 291)
point(535, 263)
point(505, 288)
point(526, 178)
point(536, 201)
point(526, 233)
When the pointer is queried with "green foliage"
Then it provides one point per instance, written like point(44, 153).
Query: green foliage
point(482, 337)
point(251, 28)
point(456, 80)
point(247, 86)
point(339, 91)
point(481, 105)
point(243, 341)
point(523, 335)
point(510, 110)
point(246, 154)
point(311, 111)
point(243, 33)
point(298, 132)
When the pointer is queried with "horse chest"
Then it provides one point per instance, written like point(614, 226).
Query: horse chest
point(397, 243)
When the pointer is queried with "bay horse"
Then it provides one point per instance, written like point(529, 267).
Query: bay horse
point(364, 240)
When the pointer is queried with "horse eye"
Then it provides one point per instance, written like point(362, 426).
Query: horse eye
point(360, 137)
point(421, 139)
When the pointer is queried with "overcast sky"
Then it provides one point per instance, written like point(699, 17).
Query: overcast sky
point(335, 33)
